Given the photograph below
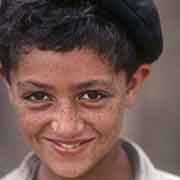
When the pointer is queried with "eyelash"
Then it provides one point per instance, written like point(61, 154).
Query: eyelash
point(91, 96)
point(35, 96)
point(99, 93)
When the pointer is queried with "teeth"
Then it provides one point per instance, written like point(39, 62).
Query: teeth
point(70, 146)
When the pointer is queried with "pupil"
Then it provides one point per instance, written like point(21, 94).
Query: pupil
point(93, 95)
point(39, 96)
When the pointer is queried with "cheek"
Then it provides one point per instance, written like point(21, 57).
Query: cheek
point(108, 125)
point(107, 121)
point(112, 121)
point(31, 123)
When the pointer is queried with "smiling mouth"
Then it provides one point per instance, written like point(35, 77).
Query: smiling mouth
point(70, 146)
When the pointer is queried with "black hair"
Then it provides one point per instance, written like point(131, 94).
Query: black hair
point(61, 26)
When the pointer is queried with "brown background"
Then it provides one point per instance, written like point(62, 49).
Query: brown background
point(154, 122)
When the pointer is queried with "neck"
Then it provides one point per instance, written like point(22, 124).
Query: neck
point(114, 166)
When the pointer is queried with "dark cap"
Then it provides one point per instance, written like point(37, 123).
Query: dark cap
point(140, 19)
point(142, 23)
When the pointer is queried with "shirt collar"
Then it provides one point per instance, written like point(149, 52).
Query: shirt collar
point(141, 164)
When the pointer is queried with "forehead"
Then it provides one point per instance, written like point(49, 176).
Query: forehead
point(75, 67)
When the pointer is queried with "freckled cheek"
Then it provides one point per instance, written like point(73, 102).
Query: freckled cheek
point(32, 123)
point(111, 125)
point(106, 122)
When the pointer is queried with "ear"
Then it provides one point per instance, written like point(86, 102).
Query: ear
point(135, 83)
point(6, 83)
point(1, 71)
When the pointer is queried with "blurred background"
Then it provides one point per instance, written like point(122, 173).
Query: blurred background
point(154, 122)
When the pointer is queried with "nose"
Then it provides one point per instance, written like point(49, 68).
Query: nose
point(68, 123)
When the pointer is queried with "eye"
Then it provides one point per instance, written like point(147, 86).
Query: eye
point(38, 97)
point(93, 95)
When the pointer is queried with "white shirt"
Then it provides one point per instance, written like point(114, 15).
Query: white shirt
point(143, 167)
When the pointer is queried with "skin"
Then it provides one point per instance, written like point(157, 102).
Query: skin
point(70, 96)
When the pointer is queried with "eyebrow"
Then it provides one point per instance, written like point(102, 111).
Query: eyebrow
point(91, 83)
point(80, 85)
point(27, 84)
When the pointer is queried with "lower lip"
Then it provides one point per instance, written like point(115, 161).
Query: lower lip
point(71, 152)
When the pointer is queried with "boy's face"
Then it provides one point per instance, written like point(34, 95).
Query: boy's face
point(71, 107)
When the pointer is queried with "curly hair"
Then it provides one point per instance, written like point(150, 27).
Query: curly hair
point(61, 26)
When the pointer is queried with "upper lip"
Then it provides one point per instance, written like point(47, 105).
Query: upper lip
point(70, 141)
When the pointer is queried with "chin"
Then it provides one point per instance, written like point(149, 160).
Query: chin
point(71, 171)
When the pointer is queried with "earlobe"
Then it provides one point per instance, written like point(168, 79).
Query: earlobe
point(136, 82)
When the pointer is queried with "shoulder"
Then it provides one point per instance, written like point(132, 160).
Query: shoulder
point(26, 170)
point(14, 175)
point(166, 176)
point(144, 168)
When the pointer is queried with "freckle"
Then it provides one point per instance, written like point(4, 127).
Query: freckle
point(100, 116)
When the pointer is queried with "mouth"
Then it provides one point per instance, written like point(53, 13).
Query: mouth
point(71, 146)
